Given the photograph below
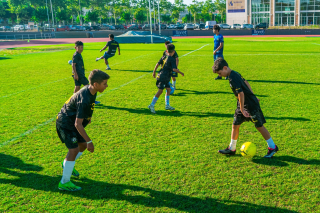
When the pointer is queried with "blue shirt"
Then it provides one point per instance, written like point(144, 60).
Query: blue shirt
point(217, 40)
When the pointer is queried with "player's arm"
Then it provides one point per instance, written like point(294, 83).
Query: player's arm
point(241, 101)
point(155, 69)
point(104, 48)
point(221, 45)
point(82, 132)
point(119, 50)
point(247, 83)
point(178, 71)
point(74, 70)
point(177, 61)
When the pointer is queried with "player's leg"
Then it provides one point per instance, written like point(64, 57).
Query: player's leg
point(174, 82)
point(214, 59)
point(167, 98)
point(69, 137)
point(77, 84)
point(76, 89)
point(97, 59)
point(156, 97)
point(258, 119)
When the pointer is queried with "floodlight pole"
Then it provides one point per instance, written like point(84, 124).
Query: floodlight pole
point(150, 22)
point(52, 14)
point(159, 17)
point(48, 13)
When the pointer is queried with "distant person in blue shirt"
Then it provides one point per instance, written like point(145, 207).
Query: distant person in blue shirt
point(218, 46)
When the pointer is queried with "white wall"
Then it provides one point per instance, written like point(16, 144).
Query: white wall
point(238, 17)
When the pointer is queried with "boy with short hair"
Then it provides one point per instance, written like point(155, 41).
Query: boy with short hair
point(248, 108)
point(168, 65)
point(74, 116)
point(112, 47)
point(78, 68)
point(218, 46)
point(176, 57)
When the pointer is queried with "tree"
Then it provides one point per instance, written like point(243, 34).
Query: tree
point(126, 16)
point(221, 7)
point(140, 15)
point(91, 16)
point(166, 19)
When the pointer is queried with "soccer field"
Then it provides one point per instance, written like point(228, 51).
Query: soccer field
point(167, 162)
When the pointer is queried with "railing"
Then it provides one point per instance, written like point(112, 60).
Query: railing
point(28, 36)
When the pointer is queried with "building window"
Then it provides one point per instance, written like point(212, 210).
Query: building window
point(258, 18)
point(260, 6)
point(309, 5)
point(284, 5)
point(309, 18)
point(284, 19)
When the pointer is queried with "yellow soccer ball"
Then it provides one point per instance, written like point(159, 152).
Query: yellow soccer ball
point(248, 149)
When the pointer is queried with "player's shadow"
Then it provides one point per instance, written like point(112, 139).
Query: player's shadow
point(161, 111)
point(121, 70)
point(136, 195)
point(186, 92)
point(4, 58)
point(283, 82)
point(282, 161)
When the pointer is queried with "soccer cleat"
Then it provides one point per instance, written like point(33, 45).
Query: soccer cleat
point(108, 68)
point(271, 152)
point(152, 109)
point(227, 78)
point(97, 59)
point(168, 107)
point(69, 186)
point(227, 151)
point(218, 78)
point(74, 171)
point(97, 102)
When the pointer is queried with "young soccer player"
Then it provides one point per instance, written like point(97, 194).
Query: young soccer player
point(176, 57)
point(248, 108)
point(78, 68)
point(74, 116)
point(112, 47)
point(218, 46)
point(168, 65)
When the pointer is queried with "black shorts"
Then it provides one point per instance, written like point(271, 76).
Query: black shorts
point(174, 74)
point(70, 137)
point(81, 80)
point(256, 117)
point(163, 84)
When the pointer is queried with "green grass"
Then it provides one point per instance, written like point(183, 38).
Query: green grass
point(166, 162)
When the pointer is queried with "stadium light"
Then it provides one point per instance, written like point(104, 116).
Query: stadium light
point(150, 21)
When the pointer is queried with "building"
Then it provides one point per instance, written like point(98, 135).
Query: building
point(274, 12)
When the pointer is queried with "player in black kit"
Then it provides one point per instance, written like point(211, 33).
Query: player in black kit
point(74, 116)
point(248, 108)
point(168, 65)
point(176, 57)
point(112, 47)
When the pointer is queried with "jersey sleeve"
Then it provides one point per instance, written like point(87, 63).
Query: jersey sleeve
point(108, 44)
point(75, 59)
point(221, 39)
point(236, 84)
point(173, 63)
point(161, 60)
point(176, 55)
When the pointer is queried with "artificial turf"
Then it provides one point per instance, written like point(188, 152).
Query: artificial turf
point(167, 162)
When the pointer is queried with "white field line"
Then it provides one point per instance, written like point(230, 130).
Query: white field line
point(42, 85)
point(316, 44)
point(52, 119)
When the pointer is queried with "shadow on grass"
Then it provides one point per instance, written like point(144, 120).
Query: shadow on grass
point(121, 70)
point(160, 111)
point(194, 92)
point(4, 58)
point(136, 195)
point(283, 82)
point(281, 161)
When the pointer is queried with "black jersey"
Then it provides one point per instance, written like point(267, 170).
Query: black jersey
point(112, 47)
point(80, 105)
point(77, 59)
point(237, 84)
point(168, 63)
point(175, 55)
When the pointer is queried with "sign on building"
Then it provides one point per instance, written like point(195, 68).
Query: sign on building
point(180, 33)
point(258, 32)
point(236, 6)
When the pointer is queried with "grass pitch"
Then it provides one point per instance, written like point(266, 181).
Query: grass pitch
point(166, 162)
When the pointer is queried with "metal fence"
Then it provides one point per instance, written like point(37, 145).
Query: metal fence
point(27, 36)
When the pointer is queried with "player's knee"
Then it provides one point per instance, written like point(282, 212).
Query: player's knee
point(235, 127)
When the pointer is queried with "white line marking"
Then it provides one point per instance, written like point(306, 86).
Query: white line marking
point(316, 44)
point(52, 119)
point(195, 50)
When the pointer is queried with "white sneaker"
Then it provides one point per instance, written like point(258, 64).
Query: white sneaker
point(168, 107)
point(108, 68)
point(97, 59)
point(152, 109)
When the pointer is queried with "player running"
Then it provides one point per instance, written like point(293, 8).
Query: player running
point(176, 57)
point(218, 46)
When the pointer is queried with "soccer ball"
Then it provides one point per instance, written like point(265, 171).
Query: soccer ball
point(70, 62)
point(248, 149)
